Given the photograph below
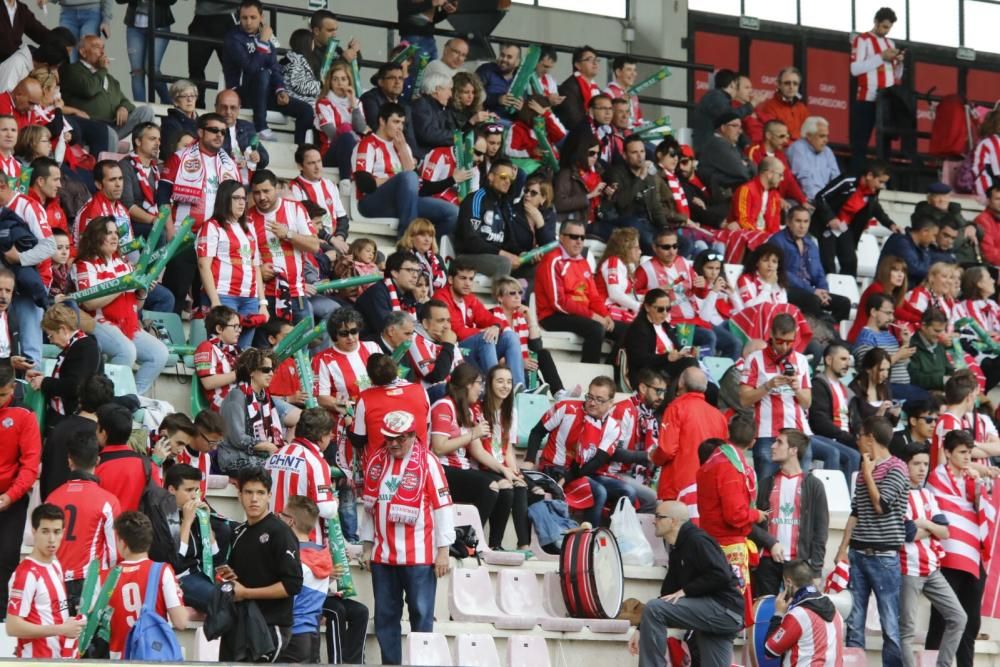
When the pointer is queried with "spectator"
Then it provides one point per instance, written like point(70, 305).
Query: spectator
point(118, 330)
point(486, 219)
point(872, 391)
point(456, 50)
point(417, 21)
point(786, 105)
point(141, 178)
point(395, 292)
point(193, 193)
point(687, 422)
point(311, 185)
point(106, 202)
point(812, 160)
point(625, 71)
point(878, 65)
point(580, 191)
point(21, 22)
point(390, 187)
point(32, 142)
point(637, 416)
point(808, 513)
point(422, 517)
point(600, 113)
point(10, 329)
point(764, 279)
point(715, 302)
point(958, 412)
point(986, 155)
point(122, 471)
point(334, 109)
point(978, 289)
point(912, 247)
point(95, 391)
point(88, 86)
point(79, 358)
point(136, 21)
point(579, 88)
point(467, 101)
point(419, 239)
point(215, 357)
point(942, 248)
point(18, 472)
point(806, 624)
point(387, 87)
point(434, 353)
point(808, 288)
point(829, 414)
point(254, 427)
point(774, 143)
point(633, 196)
point(890, 279)
point(649, 342)
point(966, 237)
point(387, 392)
point(210, 20)
point(936, 291)
point(549, 86)
point(616, 272)
point(721, 165)
point(921, 416)
point(567, 298)
point(300, 79)
point(434, 124)
point(754, 212)
point(776, 383)
point(52, 54)
point(18, 104)
point(206, 433)
point(673, 198)
point(523, 143)
point(700, 593)
point(930, 365)
point(39, 612)
point(497, 77)
point(920, 557)
point(717, 102)
point(323, 26)
point(264, 567)
point(250, 65)
point(486, 336)
point(240, 136)
point(563, 418)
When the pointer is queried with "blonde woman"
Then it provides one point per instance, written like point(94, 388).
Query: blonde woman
point(419, 239)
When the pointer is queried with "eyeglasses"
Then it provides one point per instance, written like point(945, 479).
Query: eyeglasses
point(660, 391)
point(532, 193)
point(410, 269)
point(668, 246)
point(594, 153)
point(347, 333)
point(266, 369)
point(660, 309)
point(236, 326)
point(514, 293)
point(214, 129)
point(210, 443)
point(588, 59)
point(590, 398)
point(575, 237)
point(188, 96)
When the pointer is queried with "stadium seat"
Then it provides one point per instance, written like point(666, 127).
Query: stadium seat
point(446, 249)
point(171, 323)
point(472, 601)
point(388, 225)
point(122, 378)
point(733, 273)
point(538, 551)
point(468, 515)
point(838, 497)
point(554, 605)
point(868, 252)
point(717, 366)
point(198, 402)
point(527, 650)
point(428, 648)
point(7, 644)
point(521, 595)
point(205, 650)
point(855, 657)
point(196, 336)
point(530, 408)
point(476, 651)
point(648, 524)
point(845, 286)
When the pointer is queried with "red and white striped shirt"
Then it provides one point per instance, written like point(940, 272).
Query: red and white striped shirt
point(444, 421)
point(9, 166)
point(89, 273)
point(985, 312)
point(986, 163)
point(235, 257)
point(378, 157)
point(969, 526)
point(323, 192)
point(838, 404)
point(677, 279)
point(438, 165)
point(615, 90)
point(522, 142)
point(638, 427)
point(34, 214)
point(786, 516)
point(778, 408)
point(920, 558)
point(597, 435)
point(299, 469)
point(38, 595)
point(89, 532)
point(281, 254)
point(332, 110)
point(549, 84)
point(563, 423)
point(618, 287)
point(97, 206)
point(423, 354)
point(919, 300)
point(519, 325)
point(946, 423)
point(340, 373)
point(806, 640)
point(873, 73)
point(751, 291)
point(495, 443)
point(200, 460)
point(689, 496)
point(213, 357)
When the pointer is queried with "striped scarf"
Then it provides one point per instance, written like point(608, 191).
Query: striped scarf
point(56, 402)
point(677, 190)
point(435, 272)
point(149, 178)
point(519, 324)
point(262, 423)
point(394, 299)
point(970, 527)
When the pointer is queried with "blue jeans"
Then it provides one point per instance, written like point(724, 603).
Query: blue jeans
point(726, 344)
point(258, 93)
point(243, 305)
point(135, 41)
point(908, 392)
point(389, 583)
point(836, 455)
point(398, 198)
point(340, 152)
point(159, 300)
point(704, 338)
point(485, 355)
point(198, 590)
point(80, 22)
point(348, 513)
point(606, 490)
point(29, 319)
point(143, 347)
point(879, 574)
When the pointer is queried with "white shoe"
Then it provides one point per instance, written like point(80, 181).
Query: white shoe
point(267, 135)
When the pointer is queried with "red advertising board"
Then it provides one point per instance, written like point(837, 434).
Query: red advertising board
point(943, 79)
point(719, 51)
point(828, 89)
point(766, 60)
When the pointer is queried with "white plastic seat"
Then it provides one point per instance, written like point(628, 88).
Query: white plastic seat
point(476, 651)
point(648, 524)
point(205, 650)
point(428, 648)
point(472, 601)
point(521, 595)
point(7, 644)
point(855, 657)
point(447, 249)
point(468, 515)
point(838, 496)
point(717, 366)
point(527, 650)
point(391, 224)
point(536, 548)
point(868, 252)
point(845, 286)
point(554, 605)
point(733, 273)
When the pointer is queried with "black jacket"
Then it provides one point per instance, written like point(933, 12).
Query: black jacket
point(484, 220)
point(698, 566)
point(640, 346)
point(433, 125)
point(80, 361)
point(158, 504)
point(721, 165)
point(374, 304)
point(174, 124)
point(832, 198)
point(244, 135)
point(821, 413)
point(572, 111)
point(15, 233)
point(162, 16)
point(636, 195)
point(373, 99)
point(814, 522)
point(815, 602)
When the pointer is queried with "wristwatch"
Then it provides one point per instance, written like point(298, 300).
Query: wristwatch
point(227, 587)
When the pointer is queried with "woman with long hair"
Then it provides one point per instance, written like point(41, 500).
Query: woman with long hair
point(300, 82)
point(615, 273)
point(467, 101)
point(891, 280)
point(578, 186)
point(118, 330)
point(497, 406)
point(334, 107)
point(419, 238)
point(650, 342)
point(715, 301)
point(937, 291)
point(229, 260)
point(872, 390)
point(253, 425)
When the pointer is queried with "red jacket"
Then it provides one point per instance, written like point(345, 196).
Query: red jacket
point(20, 453)
point(565, 284)
point(789, 187)
point(791, 114)
point(687, 422)
point(990, 224)
point(123, 474)
point(471, 318)
point(746, 207)
point(725, 499)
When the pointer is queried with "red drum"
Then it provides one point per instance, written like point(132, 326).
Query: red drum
point(591, 574)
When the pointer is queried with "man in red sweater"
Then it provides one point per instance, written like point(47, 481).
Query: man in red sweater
point(776, 137)
point(989, 222)
point(687, 422)
point(727, 493)
point(486, 336)
point(122, 471)
point(566, 297)
point(20, 455)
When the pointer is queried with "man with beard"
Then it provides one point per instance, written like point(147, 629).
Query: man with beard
point(639, 424)
point(497, 77)
point(828, 414)
point(387, 86)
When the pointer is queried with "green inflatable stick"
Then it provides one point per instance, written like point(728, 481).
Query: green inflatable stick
point(20, 184)
point(114, 286)
point(306, 380)
point(328, 58)
point(662, 121)
point(153, 239)
point(537, 252)
point(548, 155)
point(463, 160)
point(356, 77)
point(652, 79)
point(400, 352)
point(286, 347)
point(404, 55)
point(418, 76)
point(98, 612)
point(338, 552)
point(343, 283)
point(183, 237)
point(523, 76)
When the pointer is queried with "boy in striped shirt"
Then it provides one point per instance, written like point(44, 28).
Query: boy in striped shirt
point(920, 557)
point(806, 628)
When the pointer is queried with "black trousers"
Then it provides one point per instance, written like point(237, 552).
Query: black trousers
point(472, 487)
point(592, 332)
point(839, 307)
point(230, 652)
point(346, 627)
point(514, 500)
point(862, 124)
point(969, 591)
point(302, 649)
point(766, 578)
point(843, 248)
point(181, 277)
point(12, 529)
point(200, 53)
point(546, 365)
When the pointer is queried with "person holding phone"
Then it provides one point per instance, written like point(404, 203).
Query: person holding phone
point(805, 622)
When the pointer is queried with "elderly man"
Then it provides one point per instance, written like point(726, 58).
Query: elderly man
point(10, 332)
point(241, 140)
point(496, 78)
point(456, 50)
point(812, 160)
point(687, 422)
point(88, 86)
point(19, 101)
point(786, 104)
point(434, 125)
point(721, 165)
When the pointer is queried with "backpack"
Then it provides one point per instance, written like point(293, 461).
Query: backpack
point(152, 638)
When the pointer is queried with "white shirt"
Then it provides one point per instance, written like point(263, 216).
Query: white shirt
point(11, 10)
point(16, 67)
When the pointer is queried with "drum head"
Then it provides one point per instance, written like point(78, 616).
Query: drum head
point(763, 610)
point(608, 573)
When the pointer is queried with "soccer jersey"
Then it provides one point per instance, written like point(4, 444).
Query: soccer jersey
point(99, 205)
point(213, 357)
point(94, 272)
point(946, 423)
point(563, 422)
point(234, 255)
point(340, 373)
point(638, 426)
point(376, 402)
point(376, 156)
point(785, 516)
point(778, 408)
point(299, 469)
point(597, 435)
point(88, 534)
point(322, 192)
point(287, 260)
point(873, 73)
point(38, 595)
point(423, 355)
point(128, 597)
point(920, 558)
point(444, 421)
point(806, 640)
point(35, 215)
point(678, 281)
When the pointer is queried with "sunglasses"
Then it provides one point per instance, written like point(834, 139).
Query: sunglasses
point(514, 293)
point(214, 130)
point(713, 257)
point(929, 420)
point(594, 153)
point(266, 369)
point(660, 309)
point(532, 193)
point(504, 176)
point(575, 237)
point(494, 129)
point(668, 246)
point(347, 333)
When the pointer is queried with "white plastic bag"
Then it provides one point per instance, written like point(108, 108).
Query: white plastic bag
point(632, 543)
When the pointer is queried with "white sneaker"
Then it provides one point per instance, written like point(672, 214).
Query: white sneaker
point(267, 135)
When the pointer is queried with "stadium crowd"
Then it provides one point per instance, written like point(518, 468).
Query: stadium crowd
point(586, 219)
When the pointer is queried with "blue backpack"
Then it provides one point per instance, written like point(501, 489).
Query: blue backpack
point(151, 638)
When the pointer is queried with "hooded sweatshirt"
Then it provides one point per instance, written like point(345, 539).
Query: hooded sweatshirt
point(317, 566)
point(811, 616)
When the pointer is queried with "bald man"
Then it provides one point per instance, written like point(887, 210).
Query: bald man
point(700, 593)
point(18, 102)
point(240, 133)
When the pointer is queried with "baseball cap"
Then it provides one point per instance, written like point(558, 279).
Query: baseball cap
point(397, 423)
